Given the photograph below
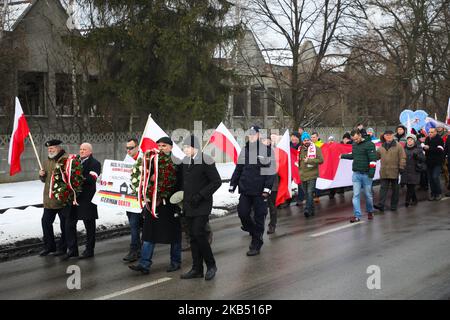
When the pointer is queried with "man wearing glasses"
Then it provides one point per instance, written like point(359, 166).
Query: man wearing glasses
point(134, 219)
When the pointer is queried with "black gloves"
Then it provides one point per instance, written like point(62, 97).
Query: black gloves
point(196, 199)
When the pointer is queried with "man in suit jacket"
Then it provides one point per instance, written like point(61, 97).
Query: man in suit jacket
point(200, 179)
point(85, 210)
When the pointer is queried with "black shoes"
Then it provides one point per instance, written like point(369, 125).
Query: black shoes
point(86, 255)
point(379, 208)
point(192, 274)
point(69, 255)
point(252, 252)
point(210, 273)
point(45, 252)
point(131, 256)
point(173, 267)
point(139, 268)
point(271, 229)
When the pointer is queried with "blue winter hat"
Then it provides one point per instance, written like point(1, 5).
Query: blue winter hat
point(305, 135)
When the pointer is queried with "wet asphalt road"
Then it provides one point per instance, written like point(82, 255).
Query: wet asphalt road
point(305, 259)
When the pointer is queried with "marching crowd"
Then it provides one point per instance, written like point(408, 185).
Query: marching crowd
point(409, 159)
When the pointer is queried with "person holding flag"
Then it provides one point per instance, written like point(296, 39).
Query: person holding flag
point(364, 158)
point(273, 212)
point(52, 206)
point(309, 160)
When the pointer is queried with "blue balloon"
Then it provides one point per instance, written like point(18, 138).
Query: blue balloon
point(417, 119)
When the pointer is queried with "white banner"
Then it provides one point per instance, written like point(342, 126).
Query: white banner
point(114, 187)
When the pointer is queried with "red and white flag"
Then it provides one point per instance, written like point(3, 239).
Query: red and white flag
point(224, 140)
point(17, 143)
point(153, 133)
point(284, 169)
point(447, 120)
point(336, 172)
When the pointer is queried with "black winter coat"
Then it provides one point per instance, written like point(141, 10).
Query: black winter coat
point(86, 210)
point(199, 181)
point(414, 155)
point(435, 155)
point(255, 170)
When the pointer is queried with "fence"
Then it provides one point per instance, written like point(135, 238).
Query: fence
point(110, 145)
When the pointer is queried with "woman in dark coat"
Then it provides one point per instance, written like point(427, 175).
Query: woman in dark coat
point(415, 159)
point(166, 227)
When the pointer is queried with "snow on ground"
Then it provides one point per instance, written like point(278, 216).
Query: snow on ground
point(17, 225)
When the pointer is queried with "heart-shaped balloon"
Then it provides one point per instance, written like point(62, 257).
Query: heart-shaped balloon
point(417, 119)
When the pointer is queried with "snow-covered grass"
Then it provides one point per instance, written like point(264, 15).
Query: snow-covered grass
point(17, 225)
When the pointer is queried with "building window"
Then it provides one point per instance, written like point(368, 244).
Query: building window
point(64, 97)
point(32, 93)
point(239, 102)
point(287, 101)
point(257, 102)
point(271, 102)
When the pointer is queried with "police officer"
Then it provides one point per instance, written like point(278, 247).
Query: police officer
point(254, 174)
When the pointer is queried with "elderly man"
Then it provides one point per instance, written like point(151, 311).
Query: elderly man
point(84, 209)
point(393, 163)
point(52, 206)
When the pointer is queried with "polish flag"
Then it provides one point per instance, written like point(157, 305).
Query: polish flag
point(224, 140)
point(447, 120)
point(284, 169)
point(17, 143)
point(294, 165)
point(336, 172)
point(153, 133)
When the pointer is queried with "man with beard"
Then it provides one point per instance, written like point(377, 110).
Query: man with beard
point(52, 206)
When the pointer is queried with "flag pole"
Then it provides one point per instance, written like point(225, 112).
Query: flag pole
point(35, 151)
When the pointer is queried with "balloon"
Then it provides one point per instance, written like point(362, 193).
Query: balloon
point(417, 118)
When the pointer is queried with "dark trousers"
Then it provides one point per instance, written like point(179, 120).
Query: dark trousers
point(200, 248)
point(411, 193)
point(135, 220)
point(256, 225)
point(71, 233)
point(385, 185)
point(434, 177)
point(424, 180)
point(47, 228)
point(273, 209)
point(301, 193)
point(309, 188)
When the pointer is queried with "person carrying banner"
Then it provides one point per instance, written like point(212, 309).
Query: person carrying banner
point(254, 175)
point(393, 162)
point(273, 211)
point(135, 219)
point(309, 160)
point(52, 206)
point(163, 225)
point(83, 209)
point(364, 158)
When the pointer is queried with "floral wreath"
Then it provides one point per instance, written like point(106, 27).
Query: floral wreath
point(143, 185)
point(67, 180)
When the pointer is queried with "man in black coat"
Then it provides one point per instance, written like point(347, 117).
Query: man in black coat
point(447, 154)
point(85, 210)
point(434, 153)
point(254, 174)
point(200, 179)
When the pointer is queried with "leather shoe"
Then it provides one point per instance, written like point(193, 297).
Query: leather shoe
point(139, 268)
point(192, 274)
point(210, 273)
point(86, 255)
point(173, 267)
point(45, 252)
point(131, 256)
point(252, 252)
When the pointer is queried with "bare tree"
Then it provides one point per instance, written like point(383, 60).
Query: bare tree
point(308, 30)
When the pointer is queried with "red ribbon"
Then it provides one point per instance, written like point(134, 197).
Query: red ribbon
point(144, 181)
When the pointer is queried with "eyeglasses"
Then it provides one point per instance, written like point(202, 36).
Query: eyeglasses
point(131, 148)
